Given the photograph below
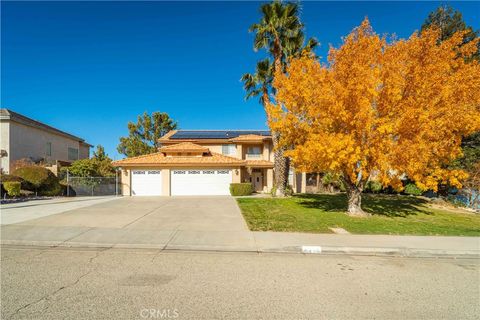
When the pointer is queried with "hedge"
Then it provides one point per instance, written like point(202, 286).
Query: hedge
point(12, 188)
point(241, 189)
point(413, 190)
point(39, 179)
point(373, 187)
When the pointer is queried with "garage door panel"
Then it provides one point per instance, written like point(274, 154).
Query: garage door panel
point(200, 182)
point(146, 183)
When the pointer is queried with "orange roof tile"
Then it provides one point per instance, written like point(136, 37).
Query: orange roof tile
point(258, 163)
point(184, 147)
point(159, 159)
point(248, 138)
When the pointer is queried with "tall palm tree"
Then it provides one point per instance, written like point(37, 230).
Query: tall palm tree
point(280, 32)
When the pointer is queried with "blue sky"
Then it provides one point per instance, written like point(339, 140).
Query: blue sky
point(90, 67)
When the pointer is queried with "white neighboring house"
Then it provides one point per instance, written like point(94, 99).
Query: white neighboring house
point(25, 138)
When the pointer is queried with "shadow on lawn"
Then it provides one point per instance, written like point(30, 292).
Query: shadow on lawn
point(386, 205)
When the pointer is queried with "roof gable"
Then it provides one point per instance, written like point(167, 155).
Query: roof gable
point(184, 147)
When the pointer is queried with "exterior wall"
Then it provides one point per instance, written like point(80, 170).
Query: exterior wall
point(269, 179)
point(83, 151)
point(29, 142)
point(236, 176)
point(166, 182)
point(5, 145)
point(125, 182)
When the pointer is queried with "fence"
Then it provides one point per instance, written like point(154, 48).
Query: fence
point(92, 186)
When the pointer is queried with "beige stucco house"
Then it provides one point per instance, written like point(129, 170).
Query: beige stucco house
point(25, 138)
point(202, 162)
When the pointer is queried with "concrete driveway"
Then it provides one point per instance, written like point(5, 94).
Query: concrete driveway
point(24, 211)
point(153, 213)
point(179, 222)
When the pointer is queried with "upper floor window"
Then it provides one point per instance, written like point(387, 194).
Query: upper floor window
point(48, 149)
point(229, 149)
point(254, 151)
point(72, 153)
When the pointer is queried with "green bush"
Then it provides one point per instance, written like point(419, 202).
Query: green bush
point(373, 186)
point(10, 177)
point(241, 189)
point(12, 188)
point(38, 179)
point(413, 190)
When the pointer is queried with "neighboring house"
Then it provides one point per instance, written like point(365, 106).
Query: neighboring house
point(25, 138)
point(201, 162)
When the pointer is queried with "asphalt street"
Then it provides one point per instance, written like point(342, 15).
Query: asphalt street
point(66, 283)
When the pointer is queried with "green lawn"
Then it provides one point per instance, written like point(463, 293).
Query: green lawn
point(391, 214)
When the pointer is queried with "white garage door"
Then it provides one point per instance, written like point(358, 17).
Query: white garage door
point(146, 183)
point(193, 182)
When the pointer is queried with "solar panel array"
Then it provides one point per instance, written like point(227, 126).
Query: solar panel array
point(216, 134)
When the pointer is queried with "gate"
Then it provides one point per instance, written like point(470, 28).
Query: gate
point(92, 186)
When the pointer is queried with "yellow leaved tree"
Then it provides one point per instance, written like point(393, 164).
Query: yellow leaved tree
point(380, 110)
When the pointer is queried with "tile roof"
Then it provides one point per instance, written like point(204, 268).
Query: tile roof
point(207, 158)
point(184, 147)
point(248, 137)
point(159, 158)
point(258, 163)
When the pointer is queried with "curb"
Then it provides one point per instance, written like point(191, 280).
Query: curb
point(307, 250)
point(377, 251)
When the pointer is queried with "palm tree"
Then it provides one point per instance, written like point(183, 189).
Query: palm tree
point(280, 32)
point(259, 83)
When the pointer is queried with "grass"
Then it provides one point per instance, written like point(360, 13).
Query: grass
point(391, 214)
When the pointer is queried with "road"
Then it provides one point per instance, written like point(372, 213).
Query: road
point(67, 283)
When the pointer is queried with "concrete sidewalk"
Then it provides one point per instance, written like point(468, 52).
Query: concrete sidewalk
point(412, 246)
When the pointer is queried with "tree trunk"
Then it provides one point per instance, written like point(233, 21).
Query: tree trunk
point(281, 163)
point(354, 196)
point(281, 166)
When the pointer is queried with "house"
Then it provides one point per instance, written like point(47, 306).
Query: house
point(201, 162)
point(25, 138)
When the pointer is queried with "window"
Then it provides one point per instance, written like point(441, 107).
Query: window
point(229, 149)
point(72, 153)
point(48, 150)
point(254, 152)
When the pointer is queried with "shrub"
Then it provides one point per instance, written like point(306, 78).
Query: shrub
point(413, 190)
point(37, 178)
point(12, 188)
point(241, 189)
point(10, 177)
point(92, 168)
point(373, 186)
point(7, 178)
point(55, 189)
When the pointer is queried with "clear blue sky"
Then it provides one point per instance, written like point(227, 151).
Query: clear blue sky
point(90, 67)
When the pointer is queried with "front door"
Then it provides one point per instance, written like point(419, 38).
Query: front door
point(257, 181)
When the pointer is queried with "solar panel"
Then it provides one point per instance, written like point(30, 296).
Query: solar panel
point(216, 134)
